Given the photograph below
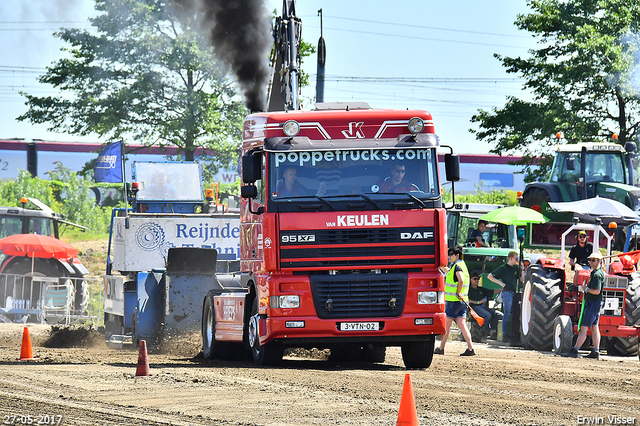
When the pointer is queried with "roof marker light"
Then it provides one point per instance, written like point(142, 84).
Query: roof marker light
point(416, 125)
point(291, 128)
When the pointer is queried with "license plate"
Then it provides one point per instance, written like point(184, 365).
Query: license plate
point(359, 326)
point(611, 303)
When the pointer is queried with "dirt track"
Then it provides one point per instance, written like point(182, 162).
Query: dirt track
point(95, 386)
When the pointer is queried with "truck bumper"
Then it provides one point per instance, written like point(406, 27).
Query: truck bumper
point(312, 330)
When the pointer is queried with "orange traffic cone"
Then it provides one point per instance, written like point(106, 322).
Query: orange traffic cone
point(143, 360)
point(407, 414)
point(26, 353)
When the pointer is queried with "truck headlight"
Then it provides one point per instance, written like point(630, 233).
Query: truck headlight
point(287, 301)
point(429, 297)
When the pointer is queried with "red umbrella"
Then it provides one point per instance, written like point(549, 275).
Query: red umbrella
point(35, 245)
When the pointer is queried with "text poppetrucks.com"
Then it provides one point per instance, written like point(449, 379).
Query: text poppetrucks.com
point(606, 420)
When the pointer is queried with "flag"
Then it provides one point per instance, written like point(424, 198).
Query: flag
point(629, 260)
point(108, 165)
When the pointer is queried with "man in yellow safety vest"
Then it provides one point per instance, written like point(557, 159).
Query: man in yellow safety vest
point(456, 290)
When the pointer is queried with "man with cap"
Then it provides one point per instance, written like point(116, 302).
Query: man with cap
point(590, 315)
point(456, 297)
point(581, 251)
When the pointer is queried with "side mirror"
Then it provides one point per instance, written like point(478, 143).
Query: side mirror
point(452, 167)
point(571, 163)
point(248, 191)
point(251, 192)
point(252, 167)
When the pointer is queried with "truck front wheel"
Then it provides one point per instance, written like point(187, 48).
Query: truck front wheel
point(269, 354)
point(418, 355)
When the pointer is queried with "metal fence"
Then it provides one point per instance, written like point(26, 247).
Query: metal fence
point(35, 299)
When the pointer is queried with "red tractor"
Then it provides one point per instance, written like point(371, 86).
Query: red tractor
point(551, 305)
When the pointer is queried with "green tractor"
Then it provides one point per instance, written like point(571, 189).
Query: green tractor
point(581, 171)
point(501, 239)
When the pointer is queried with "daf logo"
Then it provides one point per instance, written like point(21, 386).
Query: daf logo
point(416, 235)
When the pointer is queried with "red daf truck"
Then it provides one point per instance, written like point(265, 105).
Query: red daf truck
point(342, 237)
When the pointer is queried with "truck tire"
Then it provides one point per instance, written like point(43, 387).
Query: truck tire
point(628, 346)
point(541, 301)
point(210, 347)
point(534, 199)
point(269, 354)
point(418, 355)
point(562, 334)
point(373, 353)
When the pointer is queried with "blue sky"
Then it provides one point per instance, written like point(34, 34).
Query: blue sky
point(417, 54)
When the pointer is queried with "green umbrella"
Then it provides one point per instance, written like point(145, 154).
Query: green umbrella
point(514, 215)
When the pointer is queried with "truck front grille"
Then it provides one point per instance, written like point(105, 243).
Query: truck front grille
point(359, 295)
point(358, 247)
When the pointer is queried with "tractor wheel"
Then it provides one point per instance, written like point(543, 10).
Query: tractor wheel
point(41, 268)
point(628, 346)
point(535, 198)
point(418, 355)
point(210, 347)
point(540, 307)
point(475, 330)
point(49, 268)
point(269, 354)
point(373, 353)
point(562, 334)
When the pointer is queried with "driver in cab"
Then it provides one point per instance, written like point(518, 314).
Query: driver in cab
point(581, 251)
point(396, 182)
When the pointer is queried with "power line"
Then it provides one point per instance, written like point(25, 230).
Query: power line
point(43, 22)
point(408, 36)
point(423, 79)
point(405, 25)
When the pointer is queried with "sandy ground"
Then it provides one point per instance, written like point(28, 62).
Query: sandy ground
point(94, 385)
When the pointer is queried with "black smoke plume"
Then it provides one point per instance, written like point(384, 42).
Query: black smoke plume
point(240, 33)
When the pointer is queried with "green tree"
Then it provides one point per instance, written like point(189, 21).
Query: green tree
point(142, 72)
point(581, 79)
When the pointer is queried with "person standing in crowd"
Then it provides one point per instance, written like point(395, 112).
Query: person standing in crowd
point(590, 316)
point(506, 276)
point(456, 289)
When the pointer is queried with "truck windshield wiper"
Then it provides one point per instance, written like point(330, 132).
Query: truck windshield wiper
point(325, 201)
point(365, 197)
point(413, 197)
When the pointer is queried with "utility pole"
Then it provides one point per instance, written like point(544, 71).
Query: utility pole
point(322, 58)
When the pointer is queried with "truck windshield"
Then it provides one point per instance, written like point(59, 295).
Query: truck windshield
point(168, 181)
point(353, 172)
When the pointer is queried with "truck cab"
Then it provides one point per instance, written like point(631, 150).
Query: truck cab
point(336, 251)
